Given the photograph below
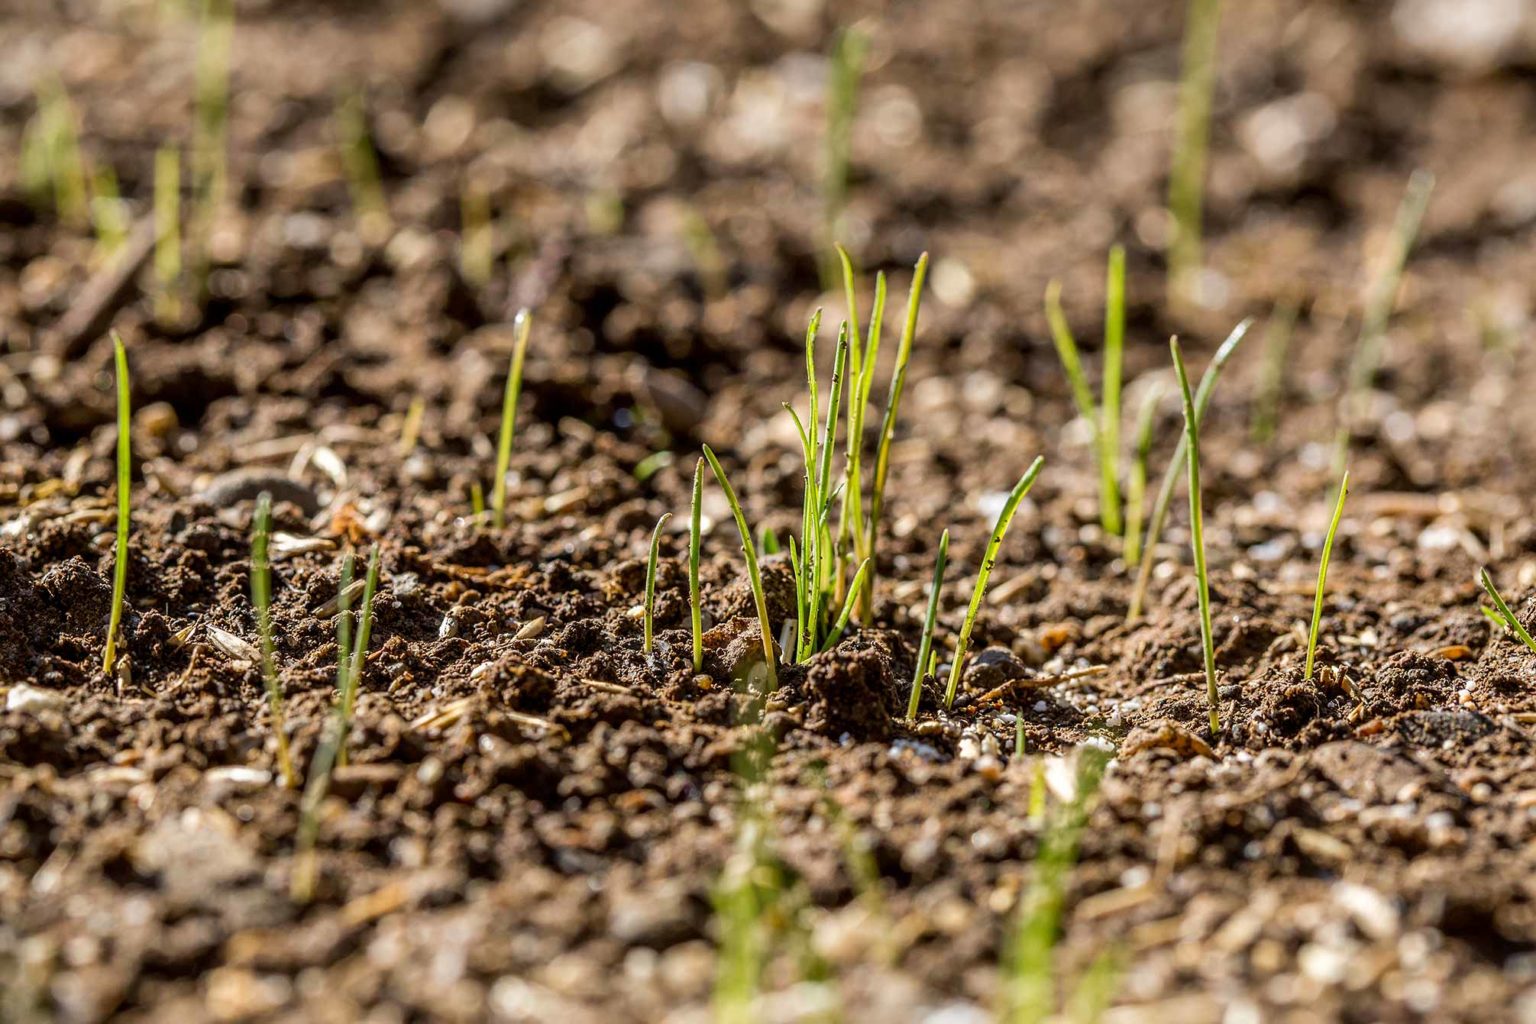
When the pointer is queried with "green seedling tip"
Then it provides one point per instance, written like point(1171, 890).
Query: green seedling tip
point(1004, 517)
point(1109, 419)
point(695, 543)
point(261, 598)
point(1322, 575)
point(754, 574)
point(124, 502)
point(650, 582)
point(1197, 535)
point(1502, 611)
point(521, 327)
point(1160, 507)
point(930, 617)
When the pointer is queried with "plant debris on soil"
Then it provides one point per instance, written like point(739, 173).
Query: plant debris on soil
point(536, 812)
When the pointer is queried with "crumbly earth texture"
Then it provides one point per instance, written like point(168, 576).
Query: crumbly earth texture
point(535, 813)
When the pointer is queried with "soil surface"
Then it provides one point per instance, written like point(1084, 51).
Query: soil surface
point(536, 813)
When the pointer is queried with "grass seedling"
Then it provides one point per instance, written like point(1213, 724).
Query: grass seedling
point(888, 432)
point(124, 503)
point(108, 215)
point(261, 597)
point(302, 884)
point(1378, 310)
point(51, 164)
point(1159, 516)
point(167, 234)
point(1501, 612)
point(360, 164)
point(476, 257)
point(1136, 489)
point(847, 67)
point(695, 543)
point(1277, 343)
point(520, 328)
point(346, 700)
point(477, 502)
point(650, 582)
point(1186, 181)
point(989, 560)
point(1105, 418)
point(1322, 575)
point(1197, 535)
point(410, 426)
point(1029, 982)
point(210, 129)
point(754, 574)
point(851, 518)
point(930, 617)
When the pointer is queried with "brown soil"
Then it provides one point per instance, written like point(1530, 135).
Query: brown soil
point(536, 812)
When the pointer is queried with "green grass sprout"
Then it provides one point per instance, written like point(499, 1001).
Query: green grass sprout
point(1277, 344)
point(1322, 575)
point(695, 543)
point(476, 255)
point(1186, 180)
point(1136, 488)
point(108, 215)
point(1109, 419)
point(851, 525)
point(888, 431)
point(754, 574)
point(1004, 517)
point(477, 501)
point(930, 617)
point(124, 502)
point(860, 581)
point(51, 164)
point(317, 784)
point(650, 581)
point(520, 329)
point(1197, 535)
point(1104, 417)
point(1030, 967)
point(1502, 613)
point(847, 67)
point(1159, 515)
point(1378, 310)
point(261, 597)
point(346, 701)
point(167, 215)
point(361, 166)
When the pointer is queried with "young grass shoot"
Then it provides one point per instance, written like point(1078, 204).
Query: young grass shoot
point(1502, 612)
point(1136, 488)
point(1159, 516)
point(514, 388)
point(754, 573)
point(261, 598)
point(1322, 575)
point(124, 502)
point(930, 617)
point(1197, 535)
point(1105, 417)
point(1004, 517)
point(650, 582)
point(1378, 310)
point(695, 544)
point(1186, 181)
